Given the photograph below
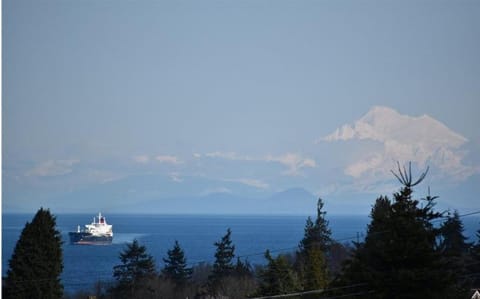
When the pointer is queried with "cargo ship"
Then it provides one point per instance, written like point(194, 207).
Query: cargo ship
point(96, 233)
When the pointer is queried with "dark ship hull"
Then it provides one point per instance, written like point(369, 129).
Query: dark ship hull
point(84, 238)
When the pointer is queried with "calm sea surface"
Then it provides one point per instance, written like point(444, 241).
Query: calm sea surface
point(252, 235)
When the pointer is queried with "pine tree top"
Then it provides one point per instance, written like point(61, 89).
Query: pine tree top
point(136, 263)
point(316, 234)
point(37, 258)
point(176, 265)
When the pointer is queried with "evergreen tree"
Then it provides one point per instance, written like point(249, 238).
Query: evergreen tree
point(473, 268)
point(278, 277)
point(243, 268)
point(136, 268)
point(224, 255)
point(37, 262)
point(453, 242)
point(315, 274)
point(311, 262)
point(316, 234)
point(223, 265)
point(399, 258)
point(357, 270)
point(455, 250)
point(176, 266)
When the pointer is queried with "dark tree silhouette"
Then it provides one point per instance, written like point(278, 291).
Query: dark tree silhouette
point(453, 242)
point(176, 266)
point(223, 265)
point(243, 268)
point(317, 234)
point(37, 262)
point(455, 250)
point(278, 277)
point(136, 268)
point(224, 255)
point(474, 268)
point(399, 258)
point(311, 262)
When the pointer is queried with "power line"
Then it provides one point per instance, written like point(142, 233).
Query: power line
point(291, 294)
point(459, 216)
point(350, 295)
point(469, 214)
point(319, 291)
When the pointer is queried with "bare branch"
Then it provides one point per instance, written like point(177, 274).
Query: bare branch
point(401, 174)
point(399, 179)
point(422, 176)
point(429, 197)
point(408, 178)
point(405, 178)
point(410, 171)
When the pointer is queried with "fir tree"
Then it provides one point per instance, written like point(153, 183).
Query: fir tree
point(278, 277)
point(176, 266)
point(316, 234)
point(223, 265)
point(455, 250)
point(453, 242)
point(243, 268)
point(474, 267)
point(399, 258)
point(37, 262)
point(224, 255)
point(311, 262)
point(136, 268)
point(315, 270)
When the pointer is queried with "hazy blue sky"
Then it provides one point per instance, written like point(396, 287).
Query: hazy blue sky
point(238, 91)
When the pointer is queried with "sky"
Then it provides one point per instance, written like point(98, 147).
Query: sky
point(241, 98)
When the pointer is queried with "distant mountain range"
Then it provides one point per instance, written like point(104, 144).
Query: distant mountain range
point(157, 194)
point(192, 195)
point(292, 201)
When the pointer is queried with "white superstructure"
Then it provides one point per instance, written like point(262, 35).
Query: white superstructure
point(99, 228)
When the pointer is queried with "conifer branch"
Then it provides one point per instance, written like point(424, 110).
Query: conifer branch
point(405, 178)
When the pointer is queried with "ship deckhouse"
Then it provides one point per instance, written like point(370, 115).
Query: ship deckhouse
point(99, 227)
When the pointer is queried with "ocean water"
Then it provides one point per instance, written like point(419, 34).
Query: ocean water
point(252, 235)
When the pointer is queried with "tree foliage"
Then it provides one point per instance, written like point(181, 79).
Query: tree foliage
point(453, 242)
point(400, 256)
point(316, 234)
point(37, 261)
point(224, 254)
point(176, 266)
point(136, 269)
point(311, 262)
point(278, 277)
point(243, 269)
point(474, 268)
point(223, 266)
point(456, 252)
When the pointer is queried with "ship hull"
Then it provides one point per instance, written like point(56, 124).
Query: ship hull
point(84, 238)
